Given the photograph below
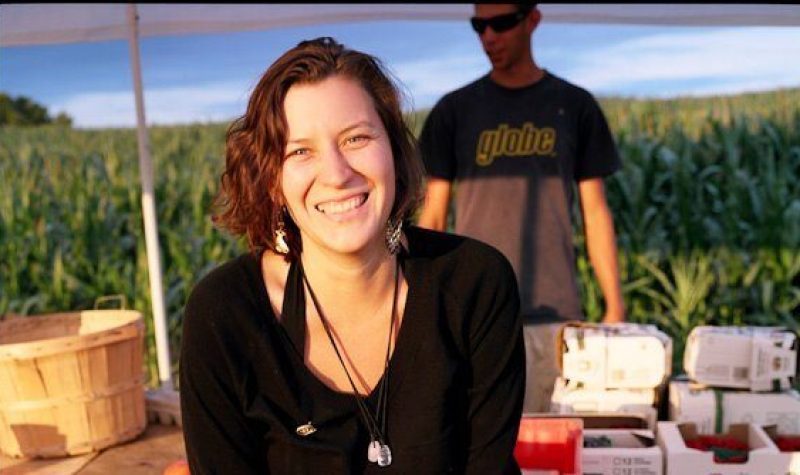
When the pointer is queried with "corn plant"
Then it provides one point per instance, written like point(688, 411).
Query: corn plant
point(706, 208)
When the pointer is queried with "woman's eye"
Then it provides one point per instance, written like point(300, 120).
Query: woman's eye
point(298, 152)
point(356, 140)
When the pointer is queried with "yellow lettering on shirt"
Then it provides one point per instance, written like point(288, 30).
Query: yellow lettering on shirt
point(514, 142)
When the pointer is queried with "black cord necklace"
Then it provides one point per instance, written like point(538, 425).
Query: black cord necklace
point(378, 450)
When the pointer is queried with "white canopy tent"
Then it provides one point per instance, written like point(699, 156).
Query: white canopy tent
point(42, 24)
point(31, 24)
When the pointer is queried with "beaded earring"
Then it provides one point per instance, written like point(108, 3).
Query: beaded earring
point(393, 230)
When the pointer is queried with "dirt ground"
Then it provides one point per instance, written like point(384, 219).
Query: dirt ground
point(149, 454)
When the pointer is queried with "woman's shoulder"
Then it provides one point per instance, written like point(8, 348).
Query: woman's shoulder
point(226, 288)
point(225, 276)
point(452, 254)
point(473, 281)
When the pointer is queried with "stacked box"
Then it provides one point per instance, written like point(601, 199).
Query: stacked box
point(571, 398)
point(626, 452)
point(754, 358)
point(763, 457)
point(611, 368)
point(789, 459)
point(713, 410)
point(732, 371)
point(615, 356)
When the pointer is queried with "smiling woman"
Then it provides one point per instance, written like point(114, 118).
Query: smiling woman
point(346, 341)
point(338, 176)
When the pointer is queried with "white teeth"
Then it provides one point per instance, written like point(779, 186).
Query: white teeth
point(336, 207)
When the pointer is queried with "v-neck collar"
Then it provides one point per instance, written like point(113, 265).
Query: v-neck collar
point(292, 323)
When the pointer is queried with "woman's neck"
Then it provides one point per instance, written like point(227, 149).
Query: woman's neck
point(352, 283)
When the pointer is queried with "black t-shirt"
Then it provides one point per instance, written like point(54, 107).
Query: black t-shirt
point(455, 389)
point(516, 154)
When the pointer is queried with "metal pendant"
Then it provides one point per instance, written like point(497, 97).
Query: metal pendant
point(306, 429)
point(373, 451)
point(385, 456)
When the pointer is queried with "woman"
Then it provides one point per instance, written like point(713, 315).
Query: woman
point(345, 341)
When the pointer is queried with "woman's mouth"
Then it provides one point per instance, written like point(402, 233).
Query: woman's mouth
point(334, 207)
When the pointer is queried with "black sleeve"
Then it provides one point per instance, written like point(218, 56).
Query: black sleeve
point(436, 142)
point(218, 437)
point(597, 153)
point(497, 379)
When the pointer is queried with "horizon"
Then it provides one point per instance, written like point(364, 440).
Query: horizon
point(600, 99)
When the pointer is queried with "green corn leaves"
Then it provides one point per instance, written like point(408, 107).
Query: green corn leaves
point(706, 207)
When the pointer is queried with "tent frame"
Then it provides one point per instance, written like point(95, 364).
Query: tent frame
point(163, 403)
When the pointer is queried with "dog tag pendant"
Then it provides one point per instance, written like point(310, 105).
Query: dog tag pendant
point(385, 456)
point(373, 451)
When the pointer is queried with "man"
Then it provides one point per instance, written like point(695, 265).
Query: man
point(515, 140)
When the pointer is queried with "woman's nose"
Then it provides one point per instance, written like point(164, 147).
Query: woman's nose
point(335, 169)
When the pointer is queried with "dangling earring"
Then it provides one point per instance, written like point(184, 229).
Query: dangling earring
point(281, 246)
point(393, 235)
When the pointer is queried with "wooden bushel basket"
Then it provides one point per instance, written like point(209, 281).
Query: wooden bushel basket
point(71, 383)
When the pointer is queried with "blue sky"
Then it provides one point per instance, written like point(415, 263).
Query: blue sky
point(201, 78)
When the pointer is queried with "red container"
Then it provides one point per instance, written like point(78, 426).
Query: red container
point(550, 444)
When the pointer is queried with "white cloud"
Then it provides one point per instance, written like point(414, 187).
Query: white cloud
point(429, 79)
point(722, 61)
point(173, 105)
point(699, 62)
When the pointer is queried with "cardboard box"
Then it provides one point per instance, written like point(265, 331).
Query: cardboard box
point(632, 452)
point(570, 398)
point(755, 358)
point(763, 458)
point(713, 410)
point(790, 461)
point(605, 420)
point(623, 355)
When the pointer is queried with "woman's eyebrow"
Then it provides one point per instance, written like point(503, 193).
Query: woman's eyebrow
point(361, 123)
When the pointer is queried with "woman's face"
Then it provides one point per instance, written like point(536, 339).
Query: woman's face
point(338, 173)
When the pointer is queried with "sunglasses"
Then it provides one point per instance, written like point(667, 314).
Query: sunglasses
point(499, 23)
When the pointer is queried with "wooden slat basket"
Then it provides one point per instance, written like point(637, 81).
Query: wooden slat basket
point(71, 383)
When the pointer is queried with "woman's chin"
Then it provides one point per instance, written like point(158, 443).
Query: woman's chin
point(350, 242)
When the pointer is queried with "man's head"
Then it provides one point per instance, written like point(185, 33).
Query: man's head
point(505, 31)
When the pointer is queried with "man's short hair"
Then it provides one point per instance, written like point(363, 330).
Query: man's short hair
point(525, 7)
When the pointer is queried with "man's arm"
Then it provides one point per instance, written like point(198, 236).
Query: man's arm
point(601, 246)
point(437, 199)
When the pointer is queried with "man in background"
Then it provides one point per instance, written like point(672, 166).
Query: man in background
point(515, 141)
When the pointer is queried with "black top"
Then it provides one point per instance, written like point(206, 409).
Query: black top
point(516, 154)
point(455, 391)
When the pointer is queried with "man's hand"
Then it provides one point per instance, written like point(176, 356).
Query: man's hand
point(613, 317)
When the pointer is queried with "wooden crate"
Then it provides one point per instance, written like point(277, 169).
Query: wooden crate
point(71, 383)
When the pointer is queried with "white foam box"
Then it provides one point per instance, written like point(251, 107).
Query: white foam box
point(702, 405)
point(755, 358)
point(570, 398)
point(632, 452)
point(763, 458)
point(790, 461)
point(623, 355)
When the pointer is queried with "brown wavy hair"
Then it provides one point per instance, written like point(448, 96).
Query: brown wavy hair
point(250, 199)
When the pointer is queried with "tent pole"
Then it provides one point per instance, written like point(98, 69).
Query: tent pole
point(149, 209)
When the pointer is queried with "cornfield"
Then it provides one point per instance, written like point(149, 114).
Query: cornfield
point(706, 207)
